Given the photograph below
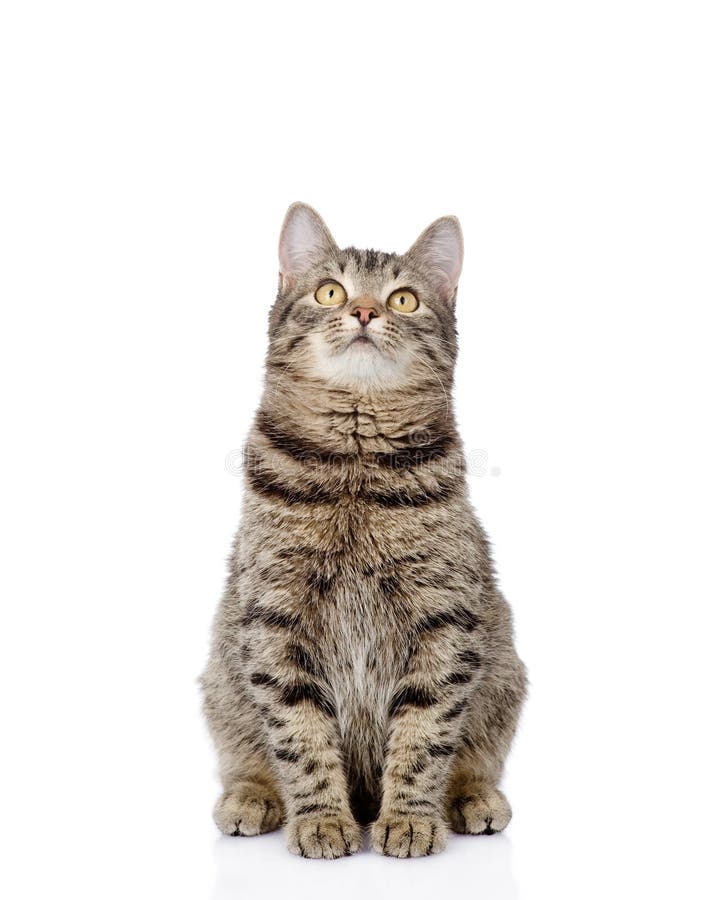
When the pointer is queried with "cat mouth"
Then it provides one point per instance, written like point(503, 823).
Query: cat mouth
point(361, 340)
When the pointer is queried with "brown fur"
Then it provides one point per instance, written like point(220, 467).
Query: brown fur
point(362, 665)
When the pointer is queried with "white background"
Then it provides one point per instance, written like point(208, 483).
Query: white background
point(149, 151)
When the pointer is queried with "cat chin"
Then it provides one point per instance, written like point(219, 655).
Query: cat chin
point(359, 366)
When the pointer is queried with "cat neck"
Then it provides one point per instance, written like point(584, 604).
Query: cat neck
point(345, 421)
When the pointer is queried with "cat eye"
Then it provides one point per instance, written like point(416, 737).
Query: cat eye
point(331, 294)
point(403, 301)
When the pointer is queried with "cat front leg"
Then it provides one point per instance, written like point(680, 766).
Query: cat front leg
point(250, 802)
point(294, 699)
point(425, 725)
point(476, 804)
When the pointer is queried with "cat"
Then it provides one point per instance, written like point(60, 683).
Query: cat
point(362, 668)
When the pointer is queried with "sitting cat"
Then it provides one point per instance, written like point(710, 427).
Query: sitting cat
point(362, 667)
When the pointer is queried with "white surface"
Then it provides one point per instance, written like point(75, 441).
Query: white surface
point(149, 152)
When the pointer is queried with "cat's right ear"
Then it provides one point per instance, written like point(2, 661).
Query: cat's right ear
point(304, 240)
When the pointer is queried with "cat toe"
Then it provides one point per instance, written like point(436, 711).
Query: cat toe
point(323, 837)
point(404, 836)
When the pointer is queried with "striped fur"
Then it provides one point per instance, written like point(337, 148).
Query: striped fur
point(362, 665)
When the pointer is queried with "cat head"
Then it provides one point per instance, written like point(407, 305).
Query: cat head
point(363, 320)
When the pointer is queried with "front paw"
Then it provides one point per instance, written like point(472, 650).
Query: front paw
point(323, 837)
point(247, 811)
point(408, 835)
point(481, 812)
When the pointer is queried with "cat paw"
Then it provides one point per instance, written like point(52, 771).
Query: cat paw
point(480, 813)
point(403, 836)
point(256, 811)
point(323, 837)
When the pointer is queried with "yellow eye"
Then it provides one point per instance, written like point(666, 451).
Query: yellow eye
point(403, 301)
point(331, 294)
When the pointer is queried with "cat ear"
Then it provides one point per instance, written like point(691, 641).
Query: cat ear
point(439, 250)
point(304, 240)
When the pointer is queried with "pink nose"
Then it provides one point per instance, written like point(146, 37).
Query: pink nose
point(364, 314)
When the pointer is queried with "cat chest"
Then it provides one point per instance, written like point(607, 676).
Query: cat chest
point(363, 669)
point(350, 583)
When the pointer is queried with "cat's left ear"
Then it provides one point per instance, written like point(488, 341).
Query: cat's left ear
point(439, 250)
point(304, 240)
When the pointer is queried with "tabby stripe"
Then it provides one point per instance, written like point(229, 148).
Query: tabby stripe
point(471, 658)
point(419, 766)
point(410, 798)
point(302, 659)
point(321, 583)
point(412, 558)
point(282, 318)
point(292, 694)
point(302, 550)
point(458, 678)
point(273, 618)
point(263, 483)
point(287, 756)
point(314, 791)
point(316, 807)
point(264, 679)
point(411, 696)
point(293, 446)
point(413, 805)
point(401, 498)
point(459, 617)
point(456, 710)
point(297, 692)
point(410, 457)
point(267, 485)
point(441, 749)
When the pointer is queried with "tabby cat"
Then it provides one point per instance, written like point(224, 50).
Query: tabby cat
point(362, 668)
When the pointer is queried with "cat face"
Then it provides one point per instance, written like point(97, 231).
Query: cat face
point(361, 319)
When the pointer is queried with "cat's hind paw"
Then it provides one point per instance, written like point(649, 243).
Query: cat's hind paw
point(323, 837)
point(247, 812)
point(403, 836)
point(480, 813)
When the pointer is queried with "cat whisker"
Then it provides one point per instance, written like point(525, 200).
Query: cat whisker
point(444, 393)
